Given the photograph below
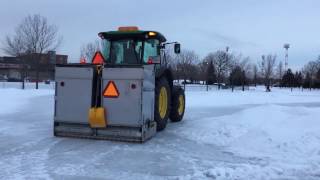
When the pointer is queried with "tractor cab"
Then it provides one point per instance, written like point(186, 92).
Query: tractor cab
point(131, 46)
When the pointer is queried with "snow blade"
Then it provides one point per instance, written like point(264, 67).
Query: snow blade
point(116, 133)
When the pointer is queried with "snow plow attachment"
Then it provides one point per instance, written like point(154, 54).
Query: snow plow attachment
point(99, 102)
point(117, 133)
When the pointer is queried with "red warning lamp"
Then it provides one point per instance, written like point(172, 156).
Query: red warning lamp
point(153, 60)
point(150, 61)
point(98, 58)
point(82, 60)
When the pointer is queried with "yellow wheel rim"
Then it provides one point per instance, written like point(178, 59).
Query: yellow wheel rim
point(163, 102)
point(181, 105)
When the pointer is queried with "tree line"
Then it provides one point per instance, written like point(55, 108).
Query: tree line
point(35, 35)
point(229, 69)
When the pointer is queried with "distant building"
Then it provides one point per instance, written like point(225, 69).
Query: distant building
point(25, 66)
point(10, 69)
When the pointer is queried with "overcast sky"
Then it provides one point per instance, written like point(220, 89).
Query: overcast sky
point(252, 27)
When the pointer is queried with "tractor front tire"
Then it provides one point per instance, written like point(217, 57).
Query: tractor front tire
point(162, 103)
point(178, 104)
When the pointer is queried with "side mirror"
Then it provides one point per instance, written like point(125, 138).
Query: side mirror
point(177, 48)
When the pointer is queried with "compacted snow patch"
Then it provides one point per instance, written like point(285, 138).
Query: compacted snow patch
point(12, 100)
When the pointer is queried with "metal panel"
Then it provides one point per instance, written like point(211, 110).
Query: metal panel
point(73, 97)
point(123, 73)
point(148, 93)
point(124, 110)
point(130, 116)
point(74, 72)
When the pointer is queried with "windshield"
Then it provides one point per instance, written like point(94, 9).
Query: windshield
point(123, 51)
point(129, 51)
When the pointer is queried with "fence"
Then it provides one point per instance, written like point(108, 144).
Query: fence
point(188, 87)
point(28, 85)
point(203, 87)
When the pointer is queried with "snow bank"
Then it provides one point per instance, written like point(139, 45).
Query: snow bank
point(262, 130)
point(281, 128)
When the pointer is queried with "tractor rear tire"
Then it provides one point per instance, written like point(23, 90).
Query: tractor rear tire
point(162, 103)
point(178, 104)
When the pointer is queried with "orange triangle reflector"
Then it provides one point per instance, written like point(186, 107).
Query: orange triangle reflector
point(98, 58)
point(111, 90)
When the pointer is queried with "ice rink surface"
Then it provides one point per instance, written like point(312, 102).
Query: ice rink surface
point(224, 135)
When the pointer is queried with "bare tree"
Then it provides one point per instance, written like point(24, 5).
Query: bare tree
point(203, 70)
point(208, 69)
point(13, 46)
point(87, 51)
point(237, 77)
point(255, 74)
point(210, 74)
point(280, 70)
point(185, 62)
point(240, 70)
point(311, 69)
point(34, 35)
point(221, 61)
point(267, 69)
point(242, 62)
point(245, 63)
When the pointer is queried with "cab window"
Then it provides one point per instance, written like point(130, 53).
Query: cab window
point(150, 49)
point(105, 49)
point(126, 52)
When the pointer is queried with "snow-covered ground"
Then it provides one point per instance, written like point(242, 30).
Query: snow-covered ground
point(224, 135)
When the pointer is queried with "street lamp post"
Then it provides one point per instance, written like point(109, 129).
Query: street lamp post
point(207, 76)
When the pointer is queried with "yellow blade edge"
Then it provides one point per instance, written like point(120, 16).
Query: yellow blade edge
point(97, 117)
